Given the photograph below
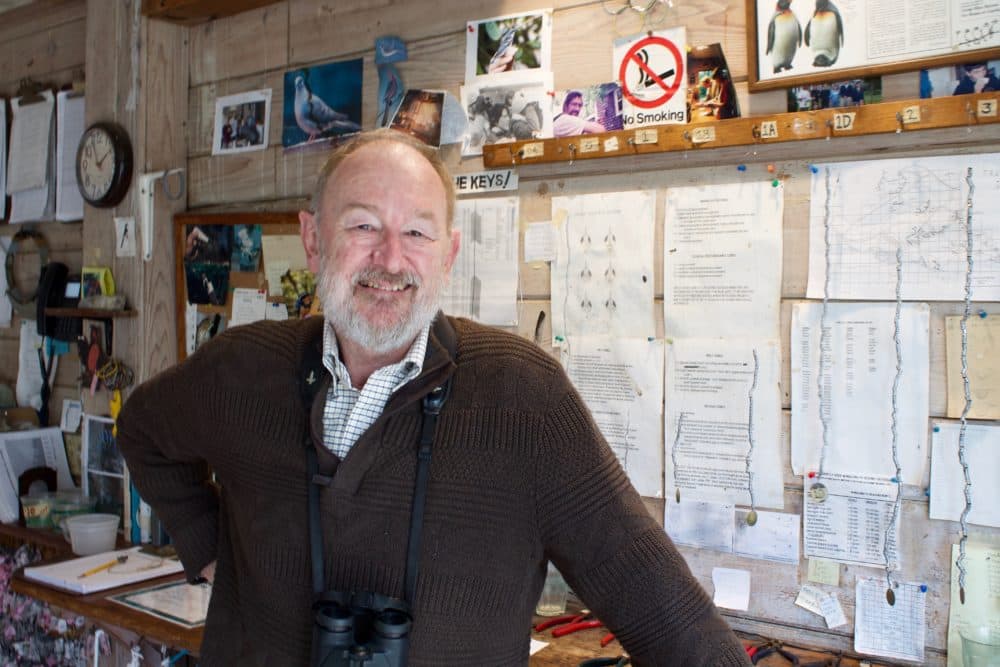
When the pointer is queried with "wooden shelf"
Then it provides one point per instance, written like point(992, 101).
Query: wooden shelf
point(887, 118)
point(89, 313)
point(50, 541)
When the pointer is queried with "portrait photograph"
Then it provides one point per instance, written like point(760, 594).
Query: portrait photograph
point(587, 110)
point(500, 113)
point(508, 44)
point(419, 115)
point(322, 103)
point(973, 77)
point(242, 122)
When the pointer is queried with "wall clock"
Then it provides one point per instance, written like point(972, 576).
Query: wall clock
point(104, 164)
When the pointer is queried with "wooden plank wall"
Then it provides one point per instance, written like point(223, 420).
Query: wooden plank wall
point(44, 41)
point(254, 49)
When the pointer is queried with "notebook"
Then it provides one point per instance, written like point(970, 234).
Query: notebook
point(102, 571)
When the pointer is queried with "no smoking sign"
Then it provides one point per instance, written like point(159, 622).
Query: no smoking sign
point(653, 77)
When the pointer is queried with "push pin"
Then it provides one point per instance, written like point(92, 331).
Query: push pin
point(770, 168)
point(741, 167)
point(814, 169)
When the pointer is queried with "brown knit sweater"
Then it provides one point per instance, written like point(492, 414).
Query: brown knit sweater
point(519, 474)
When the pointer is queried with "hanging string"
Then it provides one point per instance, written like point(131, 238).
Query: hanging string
point(818, 490)
point(890, 528)
point(960, 563)
point(673, 456)
point(752, 514)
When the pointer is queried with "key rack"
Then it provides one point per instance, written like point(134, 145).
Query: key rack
point(885, 118)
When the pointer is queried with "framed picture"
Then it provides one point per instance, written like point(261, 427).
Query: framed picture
point(242, 122)
point(796, 42)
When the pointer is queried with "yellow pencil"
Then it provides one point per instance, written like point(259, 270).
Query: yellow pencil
point(104, 566)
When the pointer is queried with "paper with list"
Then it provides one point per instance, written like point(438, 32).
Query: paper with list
point(849, 526)
point(708, 393)
point(859, 368)
point(721, 254)
point(982, 453)
point(890, 631)
point(621, 381)
point(483, 283)
point(602, 277)
point(30, 134)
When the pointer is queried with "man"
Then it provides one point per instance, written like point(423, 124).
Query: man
point(519, 473)
point(977, 78)
point(568, 123)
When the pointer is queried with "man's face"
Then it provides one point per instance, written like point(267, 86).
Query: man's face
point(383, 251)
point(978, 72)
point(574, 106)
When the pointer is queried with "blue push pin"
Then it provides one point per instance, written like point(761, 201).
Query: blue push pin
point(983, 314)
point(814, 169)
point(923, 588)
point(894, 480)
point(650, 339)
point(937, 429)
point(927, 492)
point(559, 338)
point(741, 167)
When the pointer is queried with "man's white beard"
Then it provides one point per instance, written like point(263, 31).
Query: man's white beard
point(339, 310)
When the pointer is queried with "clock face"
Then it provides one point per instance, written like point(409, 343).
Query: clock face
point(104, 164)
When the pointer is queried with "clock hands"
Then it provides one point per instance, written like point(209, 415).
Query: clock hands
point(101, 159)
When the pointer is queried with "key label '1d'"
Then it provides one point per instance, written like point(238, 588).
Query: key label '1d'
point(844, 121)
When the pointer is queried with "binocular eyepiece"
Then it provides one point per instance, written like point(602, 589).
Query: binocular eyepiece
point(360, 636)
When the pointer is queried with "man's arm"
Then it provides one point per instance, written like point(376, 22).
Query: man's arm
point(616, 557)
point(158, 436)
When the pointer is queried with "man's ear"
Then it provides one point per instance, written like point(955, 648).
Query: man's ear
point(310, 239)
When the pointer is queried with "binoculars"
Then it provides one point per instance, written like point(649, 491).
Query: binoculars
point(351, 635)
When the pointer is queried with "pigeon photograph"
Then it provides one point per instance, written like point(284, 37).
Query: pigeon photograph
point(322, 103)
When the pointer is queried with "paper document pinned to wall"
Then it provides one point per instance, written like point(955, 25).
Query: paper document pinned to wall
point(849, 525)
point(30, 132)
point(483, 284)
point(982, 366)
point(869, 209)
point(891, 631)
point(732, 588)
point(722, 254)
point(859, 369)
point(709, 382)
point(70, 124)
point(602, 278)
point(23, 450)
point(621, 381)
point(982, 453)
point(979, 617)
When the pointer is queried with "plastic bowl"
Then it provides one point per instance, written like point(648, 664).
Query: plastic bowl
point(92, 533)
point(69, 503)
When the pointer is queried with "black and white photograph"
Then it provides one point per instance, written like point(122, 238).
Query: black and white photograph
point(508, 44)
point(506, 112)
point(242, 122)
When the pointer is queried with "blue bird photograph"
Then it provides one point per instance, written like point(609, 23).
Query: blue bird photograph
point(322, 103)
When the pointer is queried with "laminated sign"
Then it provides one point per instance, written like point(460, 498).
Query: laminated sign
point(653, 75)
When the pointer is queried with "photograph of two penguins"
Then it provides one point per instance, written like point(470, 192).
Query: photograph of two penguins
point(824, 35)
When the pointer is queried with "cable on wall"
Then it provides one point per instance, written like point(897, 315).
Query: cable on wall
point(890, 529)
point(963, 525)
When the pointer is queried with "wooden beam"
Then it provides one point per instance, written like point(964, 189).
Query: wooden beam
point(189, 12)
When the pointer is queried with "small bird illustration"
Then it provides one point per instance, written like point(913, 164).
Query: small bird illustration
point(784, 36)
point(825, 33)
point(314, 116)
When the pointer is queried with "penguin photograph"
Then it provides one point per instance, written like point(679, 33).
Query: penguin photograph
point(784, 36)
point(825, 34)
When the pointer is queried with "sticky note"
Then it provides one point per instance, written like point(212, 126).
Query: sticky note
point(824, 571)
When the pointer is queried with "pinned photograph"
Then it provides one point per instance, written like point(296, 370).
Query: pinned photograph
point(975, 77)
point(419, 115)
point(322, 104)
point(711, 94)
point(246, 247)
point(207, 258)
point(852, 93)
point(511, 43)
point(506, 112)
point(390, 93)
point(587, 110)
point(242, 122)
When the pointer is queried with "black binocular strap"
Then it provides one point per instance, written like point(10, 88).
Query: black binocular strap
point(432, 404)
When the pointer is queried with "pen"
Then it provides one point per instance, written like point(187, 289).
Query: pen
point(104, 566)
